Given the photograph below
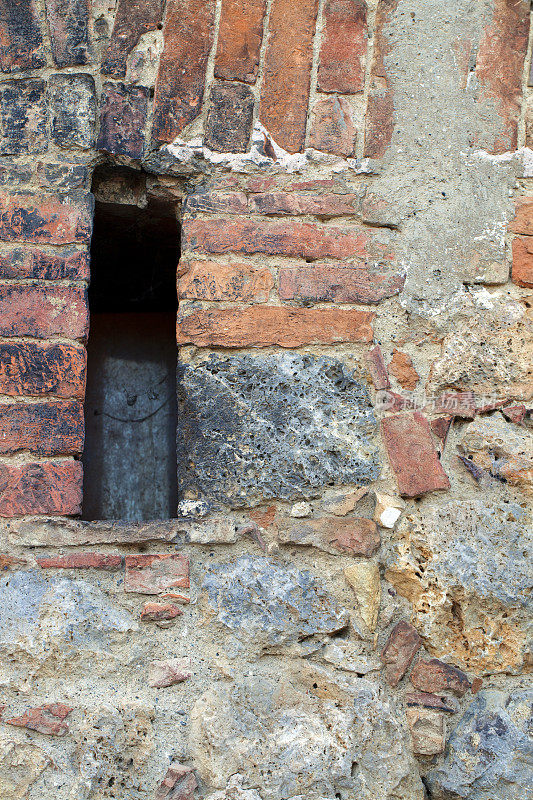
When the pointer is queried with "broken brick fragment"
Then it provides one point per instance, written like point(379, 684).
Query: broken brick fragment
point(157, 612)
point(402, 646)
point(155, 574)
point(412, 454)
point(49, 719)
point(437, 676)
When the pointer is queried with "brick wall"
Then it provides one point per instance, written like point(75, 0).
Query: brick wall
point(355, 393)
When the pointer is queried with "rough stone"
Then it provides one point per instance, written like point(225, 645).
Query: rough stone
point(353, 536)
point(437, 676)
point(23, 117)
point(21, 765)
point(489, 748)
point(363, 577)
point(229, 121)
point(311, 422)
point(73, 110)
point(402, 646)
point(333, 128)
point(412, 454)
point(428, 730)
point(388, 510)
point(270, 606)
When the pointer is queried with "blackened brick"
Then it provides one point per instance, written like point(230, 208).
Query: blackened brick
point(68, 22)
point(33, 369)
point(133, 19)
point(23, 117)
point(21, 43)
point(47, 429)
point(67, 264)
point(229, 123)
point(73, 110)
point(45, 219)
point(123, 114)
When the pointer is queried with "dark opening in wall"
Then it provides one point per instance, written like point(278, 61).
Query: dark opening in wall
point(130, 409)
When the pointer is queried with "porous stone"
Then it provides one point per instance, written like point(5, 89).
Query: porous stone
point(280, 426)
point(269, 606)
point(363, 577)
point(296, 741)
point(489, 753)
point(73, 110)
point(21, 764)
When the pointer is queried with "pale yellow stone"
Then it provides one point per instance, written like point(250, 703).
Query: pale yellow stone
point(428, 731)
point(388, 510)
point(363, 577)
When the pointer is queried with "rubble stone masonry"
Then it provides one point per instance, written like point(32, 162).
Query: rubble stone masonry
point(340, 607)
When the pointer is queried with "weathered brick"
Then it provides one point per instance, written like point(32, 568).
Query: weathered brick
point(344, 284)
point(300, 240)
point(499, 67)
point(49, 487)
point(412, 454)
point(440, 427)
point(179, 89)
point(169, 672)
point(123, 115)
point(457, 404)
point(217, 202)
point(23, 117)
point(287, 72)
point(47, 429)
point(428, 700)
point(68, 23)
point(179, 782)
point(516, 413)
point(239, 40)
point(230, 117)
point(325, 205)
point(262, 326)
point(61, 177)
point(377, 368)
point(43, 311)
point(428, 731)
point(522, 270)
point(45, 219)
point(355, 536)
point(332, 127)
point(42, 369)
point(156, 574)
point(342, 54)
point(133, 19)
point(402, 646)
point(73, 110)
point(209, 280)
point(159, 612)
point(81, 561)
point(21, 44)
point(380, 108)
point(523, 218)
point(437, 676)
point(49, 719)
point(67, 264)
point(401, 366)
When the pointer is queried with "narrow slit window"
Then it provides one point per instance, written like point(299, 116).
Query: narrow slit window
point(129, 460)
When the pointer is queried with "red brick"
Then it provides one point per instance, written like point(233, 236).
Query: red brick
point(355, 536)
point(155, 574)
point(262, 326)
point(49, 719)
point(458, 404)
point(68, 23)
point(522, 270)
point(380, 108)
point(43, 311)
point(342, 54)
point(287, 72)
point(133, 19)
point(412, 454)
point(179, 784)
point(218, 202)
point(391, 401)
point(68, 264)
point(403, 370)
point(427, 700)
point(45, 219)
point(123, 115)
point(42, 369)
point(166, 673)
point(179, 89)
point(295, 203)
point(333, 129)
point(499, 67)
point(437, 676)
point(47, 429)
point(344, 284)
point(440, 428)
point(21, 43)
point(377, 368)
point(515, 413)
point(158, 612)
point(402, 646)
point(297, 239)
point(81, 561)
point(48, 487)
point(209, 280)
point(522, 221)
point(11, 562)
point(239, 40)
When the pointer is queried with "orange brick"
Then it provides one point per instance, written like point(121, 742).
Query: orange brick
point(48, 487)
point(239, 40)
point(522, 270)
point(342, 54)
point(43, 311)
point(42, 369)
point(209, 280)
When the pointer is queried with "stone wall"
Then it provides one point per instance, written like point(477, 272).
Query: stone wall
point(340, 609)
